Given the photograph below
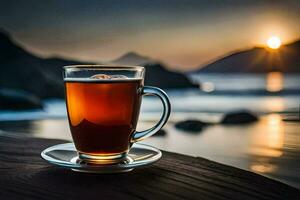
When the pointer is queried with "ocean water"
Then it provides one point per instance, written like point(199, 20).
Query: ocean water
point(261, 94)
point(249, 82)
point(270, 147)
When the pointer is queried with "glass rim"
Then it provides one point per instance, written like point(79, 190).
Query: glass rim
point(104, 67)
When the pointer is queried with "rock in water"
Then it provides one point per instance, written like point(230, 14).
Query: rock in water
point(239, 117)
point(18, 100)
point(191, 125)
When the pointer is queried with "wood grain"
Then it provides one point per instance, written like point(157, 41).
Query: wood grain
point(24, 175)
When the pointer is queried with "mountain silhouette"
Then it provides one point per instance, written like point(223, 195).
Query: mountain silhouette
point(286, 59)
point(24, 71)
point(167, 79)
point(132, 58)
point(155, 71)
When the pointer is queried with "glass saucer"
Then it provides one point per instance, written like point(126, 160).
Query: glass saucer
point(65, 155)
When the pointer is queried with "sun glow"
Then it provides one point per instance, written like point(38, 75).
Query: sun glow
point(274, 42)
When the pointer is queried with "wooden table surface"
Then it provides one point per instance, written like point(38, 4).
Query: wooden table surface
point(25, 175)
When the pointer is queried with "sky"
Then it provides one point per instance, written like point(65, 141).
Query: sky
point(185, 34)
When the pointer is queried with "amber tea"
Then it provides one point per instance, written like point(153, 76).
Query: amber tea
point(103, 114)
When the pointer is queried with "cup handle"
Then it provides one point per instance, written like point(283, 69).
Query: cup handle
point(148, 90)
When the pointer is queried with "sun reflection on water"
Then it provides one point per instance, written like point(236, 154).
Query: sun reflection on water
point(268, 144)
point(274, 82)
point(274, 104)
point(263, 167)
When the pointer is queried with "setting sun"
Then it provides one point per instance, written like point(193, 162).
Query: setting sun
point(274, 42)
